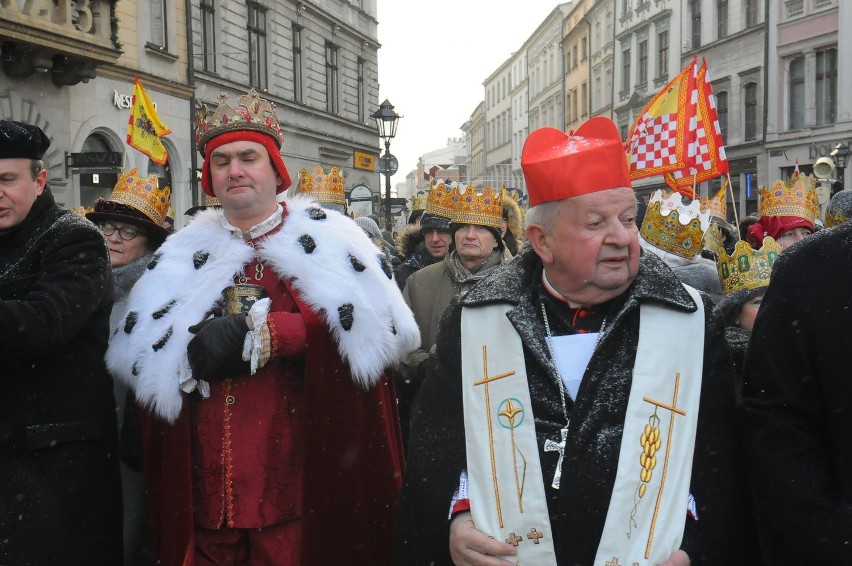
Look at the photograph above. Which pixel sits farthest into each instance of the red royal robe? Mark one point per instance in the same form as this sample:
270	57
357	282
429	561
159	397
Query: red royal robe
345	444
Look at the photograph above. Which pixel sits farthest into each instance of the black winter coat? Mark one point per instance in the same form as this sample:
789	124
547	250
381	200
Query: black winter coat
59	482
578	510
797	403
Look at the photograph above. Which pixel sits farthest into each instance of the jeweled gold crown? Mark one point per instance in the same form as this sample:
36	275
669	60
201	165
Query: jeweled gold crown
714	239
717	205
484	209
328	188
442	199
674	227
142	194
747	268
256	114
418	202
794	197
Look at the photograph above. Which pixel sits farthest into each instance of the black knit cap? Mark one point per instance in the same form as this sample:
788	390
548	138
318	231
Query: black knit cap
431	221
22	141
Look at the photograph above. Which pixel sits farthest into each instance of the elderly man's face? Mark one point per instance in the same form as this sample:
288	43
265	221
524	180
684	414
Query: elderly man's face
18	190
590	249
474	244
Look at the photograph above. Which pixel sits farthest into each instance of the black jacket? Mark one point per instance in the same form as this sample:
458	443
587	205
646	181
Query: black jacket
58	468
797	403
578	510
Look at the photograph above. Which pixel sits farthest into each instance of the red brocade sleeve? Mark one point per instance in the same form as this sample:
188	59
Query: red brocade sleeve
287	334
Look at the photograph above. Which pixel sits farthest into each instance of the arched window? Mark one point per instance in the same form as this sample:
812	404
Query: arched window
96	185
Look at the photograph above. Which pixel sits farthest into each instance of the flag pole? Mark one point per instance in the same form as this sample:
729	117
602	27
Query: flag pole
731	191
694	177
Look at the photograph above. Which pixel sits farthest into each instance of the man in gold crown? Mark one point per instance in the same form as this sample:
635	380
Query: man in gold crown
786	212
257	341
428	241
579	407
796	412
475	226
59	478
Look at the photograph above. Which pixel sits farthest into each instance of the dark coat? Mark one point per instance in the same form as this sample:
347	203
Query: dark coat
578	510
797	403
412	248
59	481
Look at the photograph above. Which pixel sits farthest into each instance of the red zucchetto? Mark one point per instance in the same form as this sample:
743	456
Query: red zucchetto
558	165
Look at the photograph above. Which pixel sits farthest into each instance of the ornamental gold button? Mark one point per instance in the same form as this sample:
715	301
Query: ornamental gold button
230	399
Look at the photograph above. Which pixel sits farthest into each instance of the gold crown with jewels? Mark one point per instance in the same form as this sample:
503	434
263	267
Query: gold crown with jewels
328	188
484	209
674	227
717	205
747	268
143	194
254	113
442	199
794	197
418	202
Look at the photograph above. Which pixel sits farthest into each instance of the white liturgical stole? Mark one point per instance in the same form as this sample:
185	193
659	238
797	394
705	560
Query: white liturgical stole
647	509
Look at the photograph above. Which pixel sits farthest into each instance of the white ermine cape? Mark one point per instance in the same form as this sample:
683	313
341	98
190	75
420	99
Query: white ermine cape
325	256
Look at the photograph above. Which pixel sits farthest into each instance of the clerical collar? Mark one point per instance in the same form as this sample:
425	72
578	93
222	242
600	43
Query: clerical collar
261	229
554	293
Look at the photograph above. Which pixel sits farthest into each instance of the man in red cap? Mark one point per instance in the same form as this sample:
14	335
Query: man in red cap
257	341
557	423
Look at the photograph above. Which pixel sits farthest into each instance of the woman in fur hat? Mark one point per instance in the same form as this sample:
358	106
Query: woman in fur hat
132	222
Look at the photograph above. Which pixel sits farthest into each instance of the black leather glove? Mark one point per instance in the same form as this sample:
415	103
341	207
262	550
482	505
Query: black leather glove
216	350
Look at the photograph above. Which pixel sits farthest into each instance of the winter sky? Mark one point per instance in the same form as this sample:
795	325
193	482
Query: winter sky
434	57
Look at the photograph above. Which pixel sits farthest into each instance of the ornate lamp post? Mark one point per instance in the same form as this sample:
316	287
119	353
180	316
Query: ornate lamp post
386	122
840	154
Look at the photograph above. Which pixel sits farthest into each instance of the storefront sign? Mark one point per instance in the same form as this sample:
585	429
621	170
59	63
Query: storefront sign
366	161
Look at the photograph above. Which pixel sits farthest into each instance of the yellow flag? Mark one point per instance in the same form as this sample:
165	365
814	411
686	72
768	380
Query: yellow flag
144	128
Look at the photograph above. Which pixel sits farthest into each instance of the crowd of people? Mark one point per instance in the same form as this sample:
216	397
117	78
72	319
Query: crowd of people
595	380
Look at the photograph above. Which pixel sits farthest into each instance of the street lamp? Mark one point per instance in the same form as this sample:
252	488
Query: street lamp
839	154
386	122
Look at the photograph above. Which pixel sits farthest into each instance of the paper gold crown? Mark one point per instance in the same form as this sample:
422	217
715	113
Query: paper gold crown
794	197
418	202
82	210
484	209
442	199
328	188
255	113
747	268
143	194
674	227
717	206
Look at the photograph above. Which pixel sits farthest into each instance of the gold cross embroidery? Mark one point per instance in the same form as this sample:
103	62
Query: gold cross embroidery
486	379
534	535
673	408
514	539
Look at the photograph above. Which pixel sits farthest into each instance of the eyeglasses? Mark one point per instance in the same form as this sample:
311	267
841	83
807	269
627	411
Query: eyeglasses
126	233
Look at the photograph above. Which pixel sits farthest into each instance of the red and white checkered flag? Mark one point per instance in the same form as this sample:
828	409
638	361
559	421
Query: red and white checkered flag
707	149
659	137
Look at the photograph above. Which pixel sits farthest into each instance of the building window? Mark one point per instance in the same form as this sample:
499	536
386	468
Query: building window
208	36
826	87
574	55
362	95
750	125
331	86
298	91
158	23
625	69
643	62
695	20
257	45
751	15
583	49
584	101
797	93
722	18
722	110
663	54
